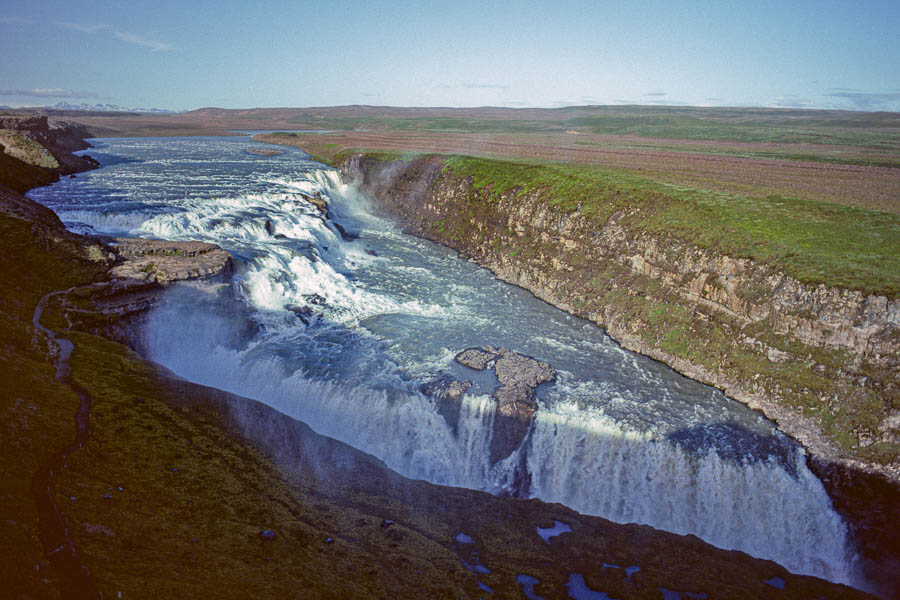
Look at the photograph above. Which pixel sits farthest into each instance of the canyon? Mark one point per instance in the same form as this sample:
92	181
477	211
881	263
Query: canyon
552	263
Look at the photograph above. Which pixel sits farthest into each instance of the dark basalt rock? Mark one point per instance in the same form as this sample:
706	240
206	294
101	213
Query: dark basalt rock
318	202
345	235
475	358
305	313
448	394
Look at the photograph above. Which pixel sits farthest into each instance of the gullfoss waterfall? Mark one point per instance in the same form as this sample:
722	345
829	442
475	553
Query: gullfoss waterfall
338	319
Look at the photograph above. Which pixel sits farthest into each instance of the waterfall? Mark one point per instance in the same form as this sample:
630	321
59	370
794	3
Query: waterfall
342	332
587	462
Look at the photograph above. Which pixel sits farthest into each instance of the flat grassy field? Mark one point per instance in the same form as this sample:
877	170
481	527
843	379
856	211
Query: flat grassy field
844	157
862	176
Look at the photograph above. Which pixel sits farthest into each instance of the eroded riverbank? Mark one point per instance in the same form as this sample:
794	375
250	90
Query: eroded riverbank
632	285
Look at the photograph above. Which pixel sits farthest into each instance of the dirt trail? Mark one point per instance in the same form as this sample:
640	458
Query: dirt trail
72	574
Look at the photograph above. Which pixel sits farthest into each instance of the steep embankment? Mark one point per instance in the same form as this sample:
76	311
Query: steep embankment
729	291
35	151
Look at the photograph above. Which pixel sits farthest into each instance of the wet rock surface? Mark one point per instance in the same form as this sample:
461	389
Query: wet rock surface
167	262
475	358
448	395
518	376
317	201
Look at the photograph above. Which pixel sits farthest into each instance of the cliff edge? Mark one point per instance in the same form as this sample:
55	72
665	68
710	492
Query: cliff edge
36	151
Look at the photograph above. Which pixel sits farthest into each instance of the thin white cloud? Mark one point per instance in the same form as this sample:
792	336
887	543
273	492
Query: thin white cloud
144	41
11	20
128	37
50	93
790	101
83	28
485	86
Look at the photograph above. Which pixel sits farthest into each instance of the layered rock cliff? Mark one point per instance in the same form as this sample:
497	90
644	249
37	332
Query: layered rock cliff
821	361
35	151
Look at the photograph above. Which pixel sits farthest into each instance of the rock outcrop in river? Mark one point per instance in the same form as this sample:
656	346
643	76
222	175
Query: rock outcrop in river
518	376
139	274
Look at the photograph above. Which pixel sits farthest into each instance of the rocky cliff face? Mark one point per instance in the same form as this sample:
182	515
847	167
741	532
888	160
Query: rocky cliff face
822	362
35	151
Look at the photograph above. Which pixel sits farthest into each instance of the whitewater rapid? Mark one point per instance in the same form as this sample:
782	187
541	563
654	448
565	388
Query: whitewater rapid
341	321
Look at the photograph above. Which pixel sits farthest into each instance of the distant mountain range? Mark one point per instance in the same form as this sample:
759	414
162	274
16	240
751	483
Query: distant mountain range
109	108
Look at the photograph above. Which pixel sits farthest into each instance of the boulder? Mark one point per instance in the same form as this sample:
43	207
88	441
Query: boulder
515	369
476	358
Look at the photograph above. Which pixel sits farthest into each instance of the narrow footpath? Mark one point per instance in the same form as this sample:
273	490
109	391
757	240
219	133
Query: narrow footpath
72	574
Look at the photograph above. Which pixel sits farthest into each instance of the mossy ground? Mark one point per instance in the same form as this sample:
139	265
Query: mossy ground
37	411
27	150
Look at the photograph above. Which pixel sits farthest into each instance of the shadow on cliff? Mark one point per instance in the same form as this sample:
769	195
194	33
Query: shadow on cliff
871	505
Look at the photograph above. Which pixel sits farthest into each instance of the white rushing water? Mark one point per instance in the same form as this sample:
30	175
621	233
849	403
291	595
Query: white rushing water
342	329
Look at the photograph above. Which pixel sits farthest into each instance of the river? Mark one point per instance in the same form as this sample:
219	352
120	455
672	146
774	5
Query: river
343	328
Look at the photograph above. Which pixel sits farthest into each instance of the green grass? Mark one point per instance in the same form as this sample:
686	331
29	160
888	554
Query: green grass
27	150
815	242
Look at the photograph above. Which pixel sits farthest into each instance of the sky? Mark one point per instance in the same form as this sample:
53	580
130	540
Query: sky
280	53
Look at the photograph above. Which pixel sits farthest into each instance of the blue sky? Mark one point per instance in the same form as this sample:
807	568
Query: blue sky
191	54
